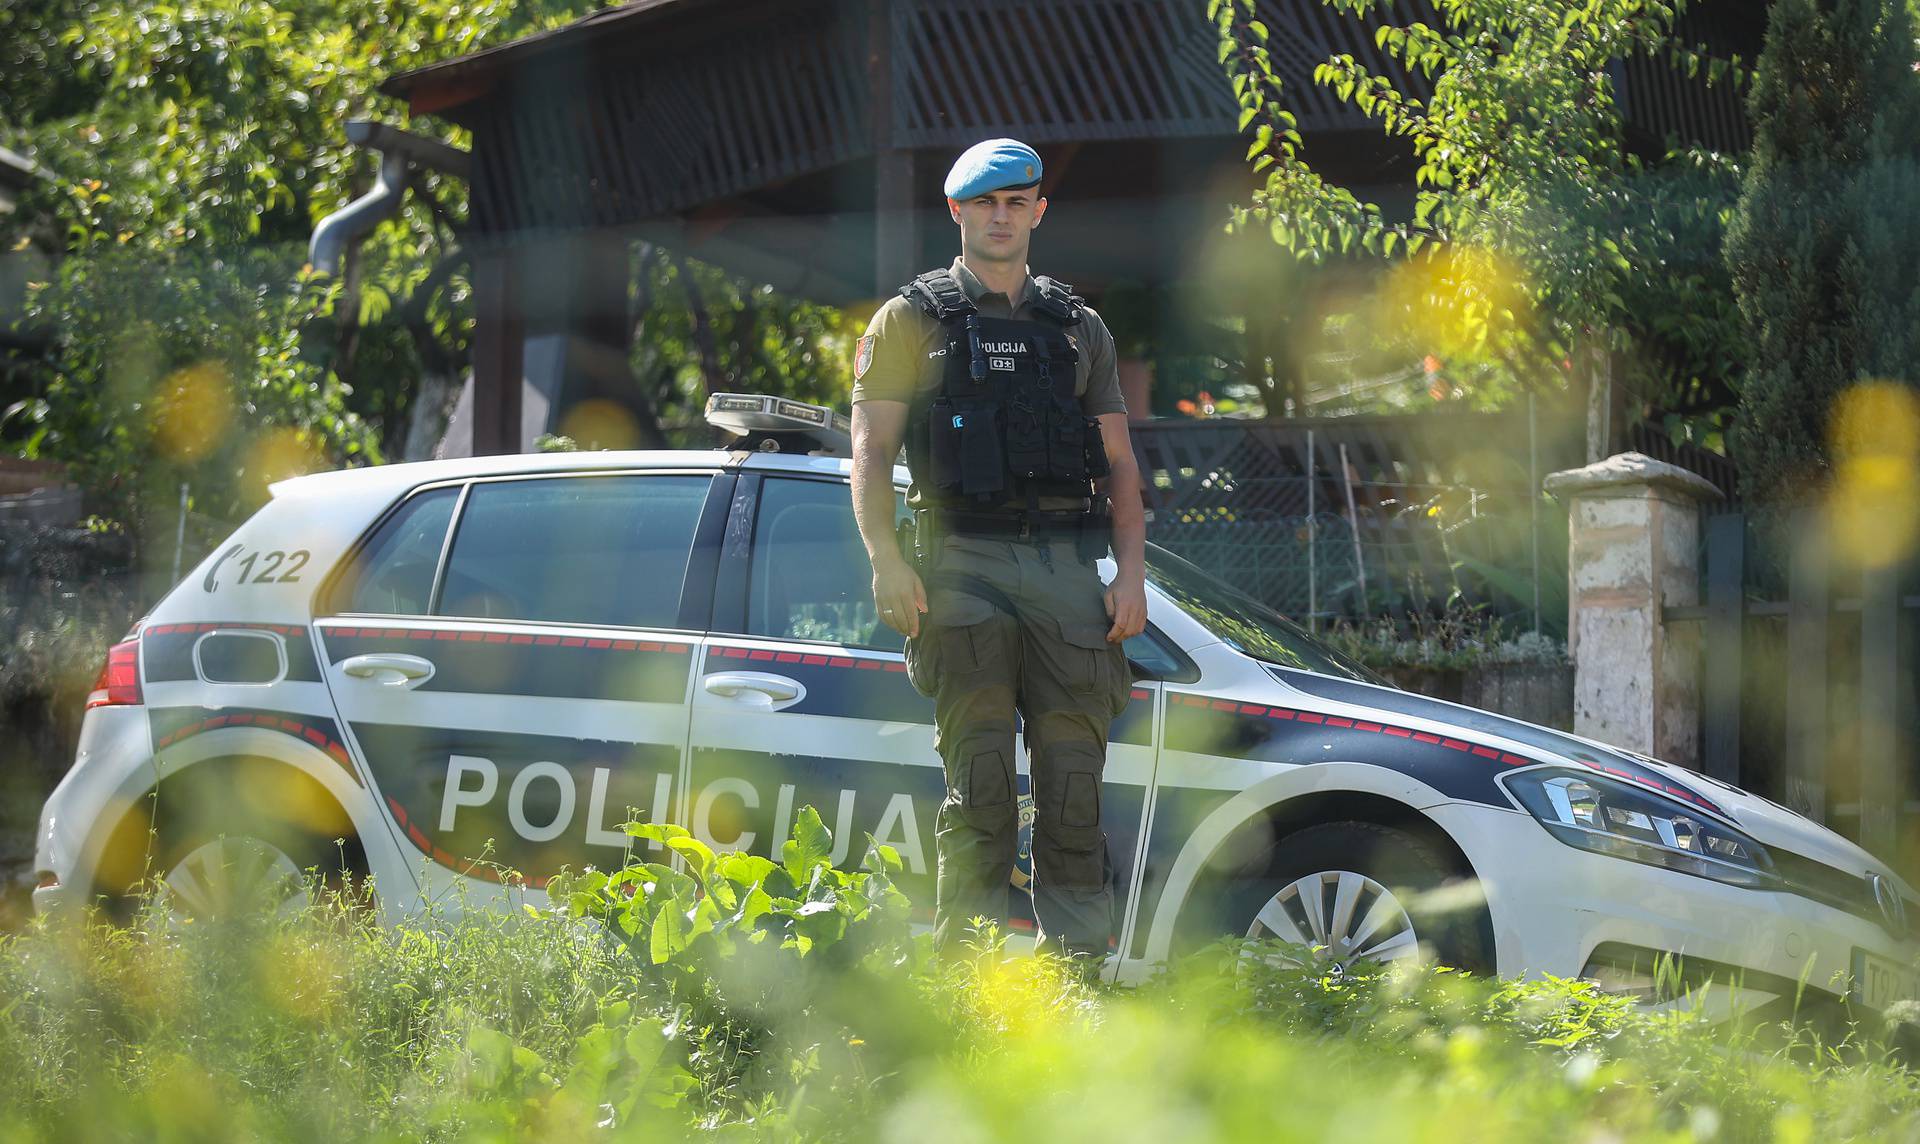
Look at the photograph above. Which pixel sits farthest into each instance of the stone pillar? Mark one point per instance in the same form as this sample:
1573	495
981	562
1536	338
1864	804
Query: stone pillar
1634	531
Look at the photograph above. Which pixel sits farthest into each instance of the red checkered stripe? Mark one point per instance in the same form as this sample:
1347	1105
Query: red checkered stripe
1277	713
470	867
266	721
808	659
425	635
1503	758
221	626
811	660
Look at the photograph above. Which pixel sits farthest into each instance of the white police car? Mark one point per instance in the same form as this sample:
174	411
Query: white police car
464	666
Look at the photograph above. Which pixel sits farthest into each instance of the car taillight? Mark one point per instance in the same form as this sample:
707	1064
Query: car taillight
119	680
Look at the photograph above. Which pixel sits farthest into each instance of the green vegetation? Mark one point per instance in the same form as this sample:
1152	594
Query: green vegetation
1540	248
191	149
790	1001
1454	639
1822	247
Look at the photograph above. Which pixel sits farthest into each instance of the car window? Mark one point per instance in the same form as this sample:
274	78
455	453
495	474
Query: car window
811	577
1244	623
610	551
393	572
1154	658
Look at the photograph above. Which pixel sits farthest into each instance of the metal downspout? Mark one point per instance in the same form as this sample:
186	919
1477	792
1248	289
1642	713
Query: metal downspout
345	226
399	152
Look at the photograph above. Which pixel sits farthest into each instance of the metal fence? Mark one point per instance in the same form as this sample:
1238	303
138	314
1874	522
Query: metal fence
1808	694
1361	516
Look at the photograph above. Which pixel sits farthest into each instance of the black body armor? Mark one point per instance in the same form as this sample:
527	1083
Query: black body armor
1005	427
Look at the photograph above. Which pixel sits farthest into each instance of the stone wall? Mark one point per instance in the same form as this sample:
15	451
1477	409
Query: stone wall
1533	692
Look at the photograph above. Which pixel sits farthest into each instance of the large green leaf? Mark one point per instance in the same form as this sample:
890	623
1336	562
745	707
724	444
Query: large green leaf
811	846
670	934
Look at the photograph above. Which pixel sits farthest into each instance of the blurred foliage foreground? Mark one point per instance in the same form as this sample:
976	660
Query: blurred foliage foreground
791	1000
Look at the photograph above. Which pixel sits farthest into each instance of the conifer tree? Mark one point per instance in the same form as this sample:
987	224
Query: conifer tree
1824	249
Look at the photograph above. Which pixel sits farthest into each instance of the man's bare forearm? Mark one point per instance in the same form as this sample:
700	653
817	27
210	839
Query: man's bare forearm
1129	523
1123	489
873	502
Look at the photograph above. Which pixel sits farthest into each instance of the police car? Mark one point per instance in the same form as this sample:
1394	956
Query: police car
464	675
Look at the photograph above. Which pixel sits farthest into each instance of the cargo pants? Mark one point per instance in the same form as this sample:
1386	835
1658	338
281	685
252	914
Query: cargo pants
1051	663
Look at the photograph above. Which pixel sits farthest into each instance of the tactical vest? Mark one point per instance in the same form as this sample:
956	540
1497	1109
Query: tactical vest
1005	427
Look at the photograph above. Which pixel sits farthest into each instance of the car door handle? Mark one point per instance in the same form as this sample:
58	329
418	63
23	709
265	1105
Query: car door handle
387	667
746	685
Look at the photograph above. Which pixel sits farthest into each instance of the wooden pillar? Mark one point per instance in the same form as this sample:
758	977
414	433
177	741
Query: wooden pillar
1725	662
1807	652
896	231
499	343
1600	429
1882	789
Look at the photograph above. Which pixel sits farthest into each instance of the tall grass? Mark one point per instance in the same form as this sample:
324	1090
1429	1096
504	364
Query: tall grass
324	1025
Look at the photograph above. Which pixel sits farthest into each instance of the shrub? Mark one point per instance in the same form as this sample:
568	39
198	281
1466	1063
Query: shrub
581	1021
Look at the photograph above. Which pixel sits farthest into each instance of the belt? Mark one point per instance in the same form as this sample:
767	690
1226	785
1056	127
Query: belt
1012	525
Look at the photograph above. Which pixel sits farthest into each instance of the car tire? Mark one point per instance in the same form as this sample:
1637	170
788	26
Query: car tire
1363	875
208	855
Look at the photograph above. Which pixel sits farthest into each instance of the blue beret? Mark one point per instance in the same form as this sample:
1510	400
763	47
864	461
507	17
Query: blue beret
993	165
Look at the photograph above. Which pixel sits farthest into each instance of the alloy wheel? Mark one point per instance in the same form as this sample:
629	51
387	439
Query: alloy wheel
1344	916
233	877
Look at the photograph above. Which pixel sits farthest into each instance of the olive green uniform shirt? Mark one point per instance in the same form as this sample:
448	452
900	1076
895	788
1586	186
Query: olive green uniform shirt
904	352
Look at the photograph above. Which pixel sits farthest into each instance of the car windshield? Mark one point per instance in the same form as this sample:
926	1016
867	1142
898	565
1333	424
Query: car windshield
1244	623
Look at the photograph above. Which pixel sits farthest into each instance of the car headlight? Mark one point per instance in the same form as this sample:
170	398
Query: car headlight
1609	817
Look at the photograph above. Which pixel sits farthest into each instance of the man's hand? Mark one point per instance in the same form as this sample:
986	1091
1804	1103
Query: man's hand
1127	606
900	596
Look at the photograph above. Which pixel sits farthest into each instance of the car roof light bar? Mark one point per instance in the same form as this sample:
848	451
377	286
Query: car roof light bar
778	425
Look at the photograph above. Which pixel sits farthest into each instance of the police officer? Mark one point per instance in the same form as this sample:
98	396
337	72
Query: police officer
1004	391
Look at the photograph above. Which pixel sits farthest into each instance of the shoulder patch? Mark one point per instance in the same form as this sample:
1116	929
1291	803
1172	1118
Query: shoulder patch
862	357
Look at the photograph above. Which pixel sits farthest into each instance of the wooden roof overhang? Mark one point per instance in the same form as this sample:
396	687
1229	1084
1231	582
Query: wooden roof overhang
760	130
754	129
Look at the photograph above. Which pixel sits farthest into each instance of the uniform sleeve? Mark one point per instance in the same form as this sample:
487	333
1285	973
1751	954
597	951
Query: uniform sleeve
1103	373
887	358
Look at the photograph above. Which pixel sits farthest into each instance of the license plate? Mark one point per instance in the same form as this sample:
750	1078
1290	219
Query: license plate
1879	982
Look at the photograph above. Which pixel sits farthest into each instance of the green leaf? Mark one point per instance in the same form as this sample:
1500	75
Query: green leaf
820	926
744	869
810	846
754	905
697	853
669	935
646	1043
706	915
660	832
881	858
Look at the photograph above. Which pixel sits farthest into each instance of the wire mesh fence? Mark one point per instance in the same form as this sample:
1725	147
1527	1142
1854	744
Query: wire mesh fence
1369	516
1407	550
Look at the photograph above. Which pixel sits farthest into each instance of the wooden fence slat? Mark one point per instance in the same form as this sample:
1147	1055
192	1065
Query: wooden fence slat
1720	690
1880	787
1807	652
